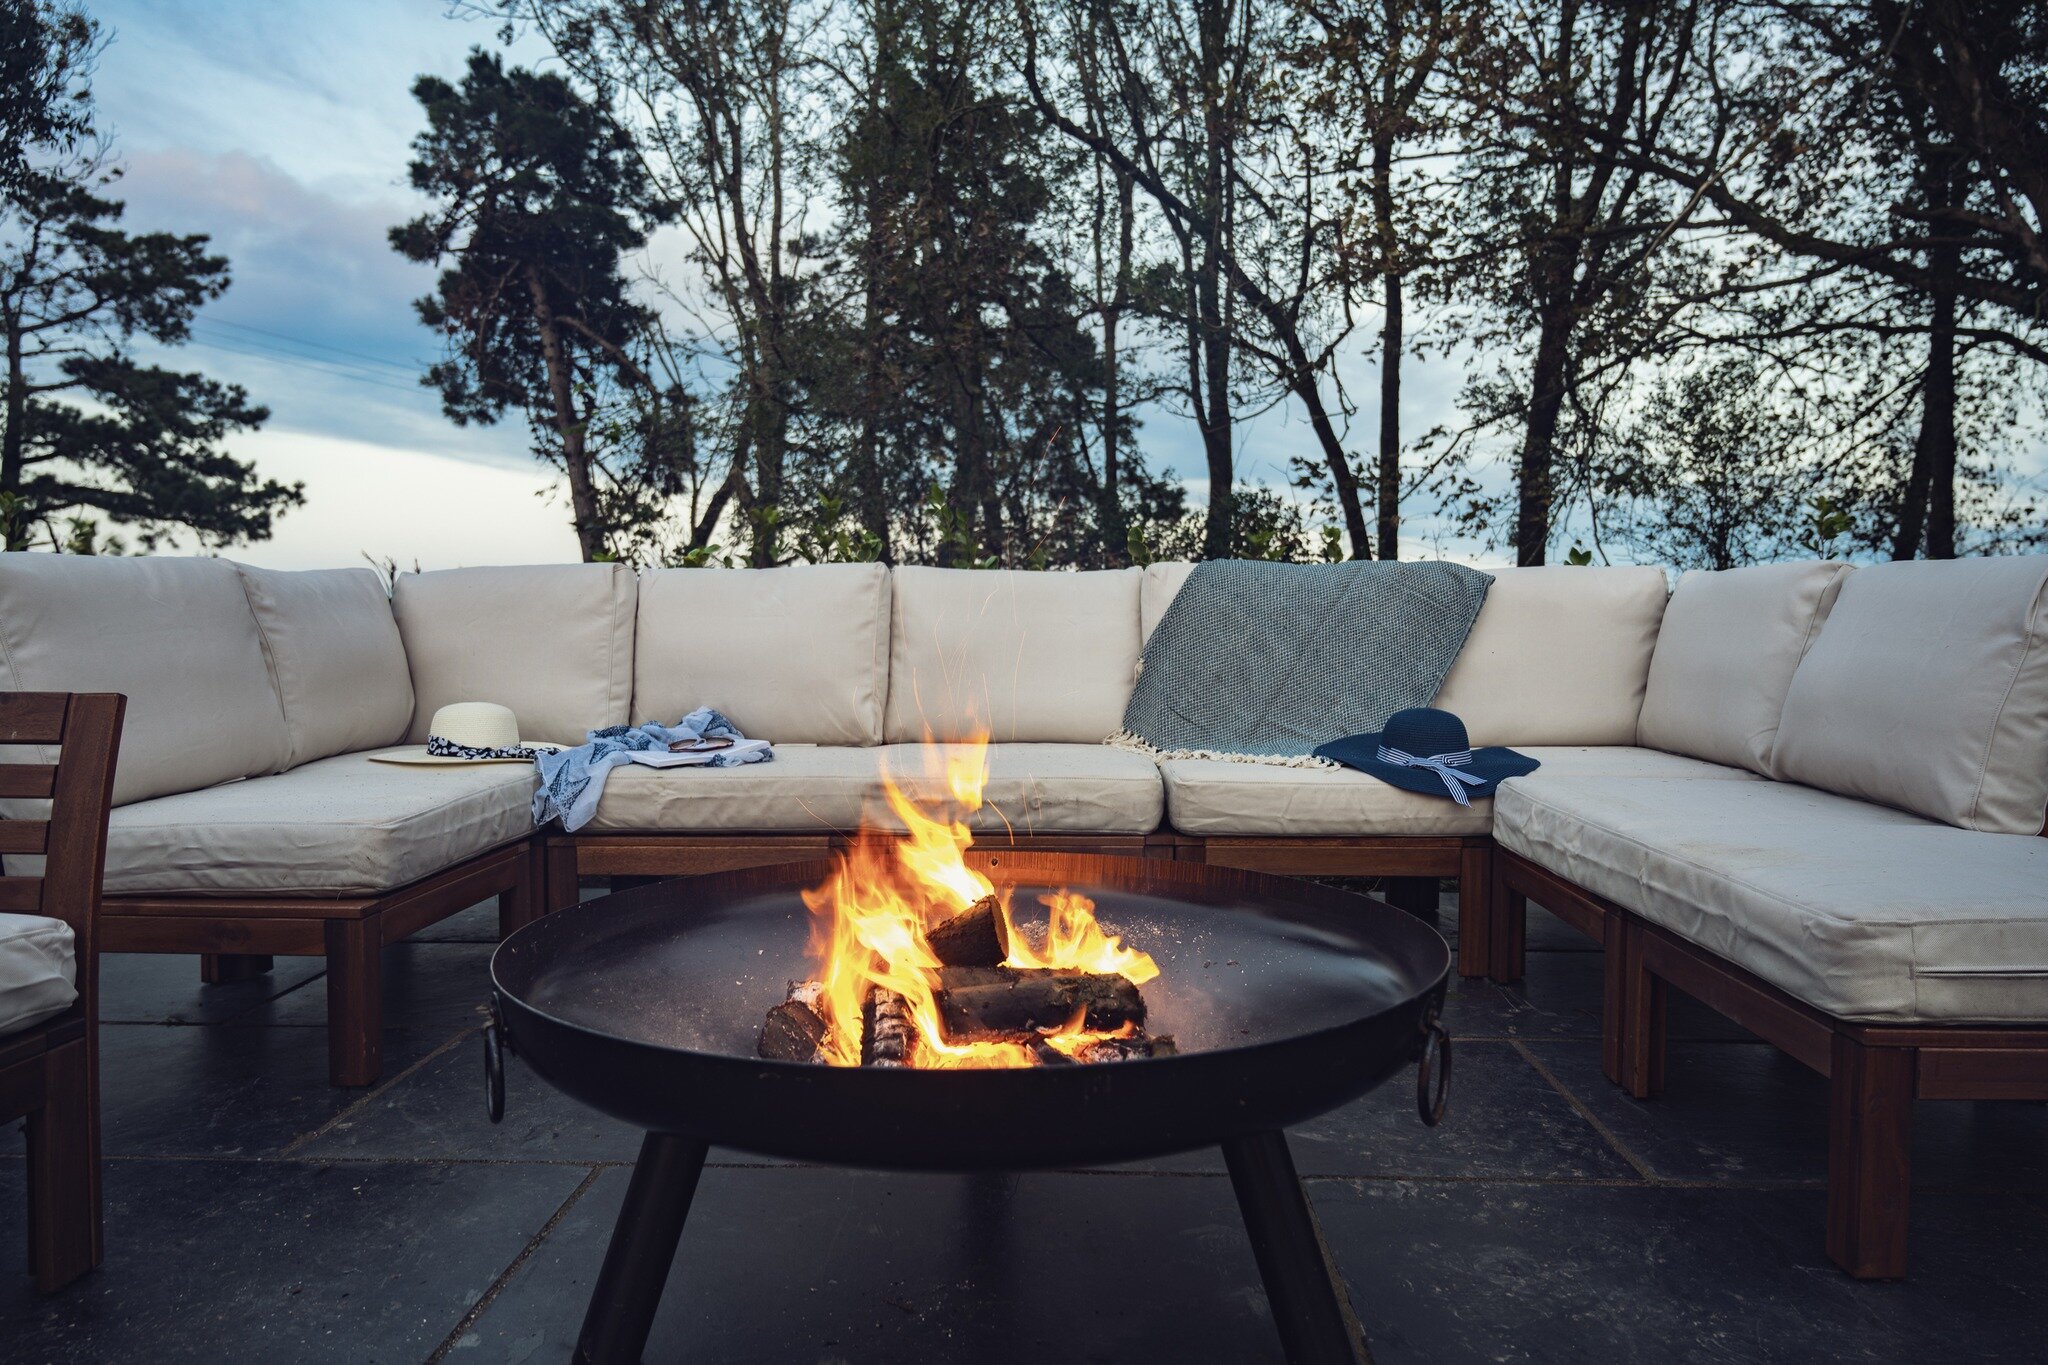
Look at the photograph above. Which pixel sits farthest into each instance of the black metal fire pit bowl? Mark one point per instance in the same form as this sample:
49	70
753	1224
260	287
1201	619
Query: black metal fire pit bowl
1286	999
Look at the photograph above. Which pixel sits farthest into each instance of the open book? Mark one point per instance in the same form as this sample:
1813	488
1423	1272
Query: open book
697	758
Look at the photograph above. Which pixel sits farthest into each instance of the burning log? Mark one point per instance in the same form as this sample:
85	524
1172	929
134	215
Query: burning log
1012	1004
890	1038
1099	1050
978	936
794	1030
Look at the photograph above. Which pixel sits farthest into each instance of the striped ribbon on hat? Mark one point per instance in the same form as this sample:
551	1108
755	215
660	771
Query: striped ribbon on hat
1444	765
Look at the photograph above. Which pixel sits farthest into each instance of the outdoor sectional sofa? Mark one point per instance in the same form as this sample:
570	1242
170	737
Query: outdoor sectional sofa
1807	794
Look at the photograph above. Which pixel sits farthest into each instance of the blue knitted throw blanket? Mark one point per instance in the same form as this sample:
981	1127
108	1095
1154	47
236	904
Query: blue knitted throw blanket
1259	662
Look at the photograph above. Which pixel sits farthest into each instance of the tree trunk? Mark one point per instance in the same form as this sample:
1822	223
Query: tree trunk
1546	404
1213	20
1927	516
14	440
1389	478
568	426
1115	532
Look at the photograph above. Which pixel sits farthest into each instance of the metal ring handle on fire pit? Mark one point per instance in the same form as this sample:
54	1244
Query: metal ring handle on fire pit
1433	1072
494	1067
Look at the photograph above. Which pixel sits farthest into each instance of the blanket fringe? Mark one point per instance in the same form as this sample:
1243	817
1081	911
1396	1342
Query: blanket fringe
1130	743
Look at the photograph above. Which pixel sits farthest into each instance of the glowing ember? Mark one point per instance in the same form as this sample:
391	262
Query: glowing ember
872	914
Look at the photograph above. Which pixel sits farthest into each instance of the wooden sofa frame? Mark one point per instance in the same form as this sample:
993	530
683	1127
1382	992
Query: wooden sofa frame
50	1072
1875	1072
237	937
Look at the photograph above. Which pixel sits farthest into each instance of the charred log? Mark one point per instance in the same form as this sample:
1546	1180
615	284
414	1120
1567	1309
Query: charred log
1099	1050
978	936
890	1038
794	1030
1010	1004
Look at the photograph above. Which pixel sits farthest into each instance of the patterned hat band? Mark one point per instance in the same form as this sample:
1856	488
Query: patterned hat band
1444	765
438	747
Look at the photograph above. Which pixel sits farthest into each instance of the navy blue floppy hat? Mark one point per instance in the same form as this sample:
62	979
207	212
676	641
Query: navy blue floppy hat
1426	750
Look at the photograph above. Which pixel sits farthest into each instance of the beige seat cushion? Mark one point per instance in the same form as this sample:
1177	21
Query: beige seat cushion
1859	910
337	826
807	789
1725	656
1031	788
1043	788
1927	689
337	657
175	635
797	654
1559	655
38	970
1211	796
552	641
1034	657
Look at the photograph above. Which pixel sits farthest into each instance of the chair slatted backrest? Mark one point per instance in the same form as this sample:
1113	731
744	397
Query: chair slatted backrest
79	786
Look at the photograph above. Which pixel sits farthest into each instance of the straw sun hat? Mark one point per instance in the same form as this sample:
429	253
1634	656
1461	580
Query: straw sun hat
468	732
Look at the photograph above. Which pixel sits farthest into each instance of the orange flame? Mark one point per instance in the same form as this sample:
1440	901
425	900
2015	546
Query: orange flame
887	889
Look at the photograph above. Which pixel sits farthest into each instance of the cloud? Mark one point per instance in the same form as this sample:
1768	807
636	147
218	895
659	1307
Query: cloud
408	504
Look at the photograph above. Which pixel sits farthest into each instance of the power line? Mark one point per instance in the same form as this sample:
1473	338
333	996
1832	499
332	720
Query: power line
315	345
332	369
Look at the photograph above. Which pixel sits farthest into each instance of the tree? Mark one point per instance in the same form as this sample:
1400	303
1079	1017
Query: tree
1370	66
93	437
537	194
1195	118
1566	241
1894	152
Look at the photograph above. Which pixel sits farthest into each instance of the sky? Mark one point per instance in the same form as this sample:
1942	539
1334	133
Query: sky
282	129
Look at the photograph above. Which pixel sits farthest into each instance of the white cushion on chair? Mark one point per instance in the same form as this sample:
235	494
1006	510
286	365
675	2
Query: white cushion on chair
1725	656
1859	910
1927	689
1212	796
1040	788
792	655
552	641
1031	789
1162	583
37	970
175	635
338	826
337	656
1034	657
1559	655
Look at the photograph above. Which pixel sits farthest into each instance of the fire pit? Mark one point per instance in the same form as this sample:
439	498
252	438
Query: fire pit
1284	999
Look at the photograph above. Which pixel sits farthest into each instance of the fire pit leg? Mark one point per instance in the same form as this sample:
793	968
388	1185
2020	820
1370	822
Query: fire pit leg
1309	1306
642	1249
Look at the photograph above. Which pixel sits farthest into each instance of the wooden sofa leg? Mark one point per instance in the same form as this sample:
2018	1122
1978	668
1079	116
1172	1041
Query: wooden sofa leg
63	1174
1633	1026
562	889
220	969
1870	1139
525	901
1506	915
355	1002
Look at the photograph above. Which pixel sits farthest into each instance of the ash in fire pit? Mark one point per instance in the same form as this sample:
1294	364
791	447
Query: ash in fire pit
921	964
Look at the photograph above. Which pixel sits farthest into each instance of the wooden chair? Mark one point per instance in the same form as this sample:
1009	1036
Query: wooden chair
49	1072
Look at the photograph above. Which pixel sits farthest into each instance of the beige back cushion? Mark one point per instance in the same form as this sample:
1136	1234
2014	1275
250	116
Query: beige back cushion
175	635
1559	655
1035	657
1162	583
1927	689
798	655
335	652
1725	656
552	641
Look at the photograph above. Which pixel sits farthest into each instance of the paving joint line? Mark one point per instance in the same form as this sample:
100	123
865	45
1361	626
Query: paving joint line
490	1296
375	1092
1622	1149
